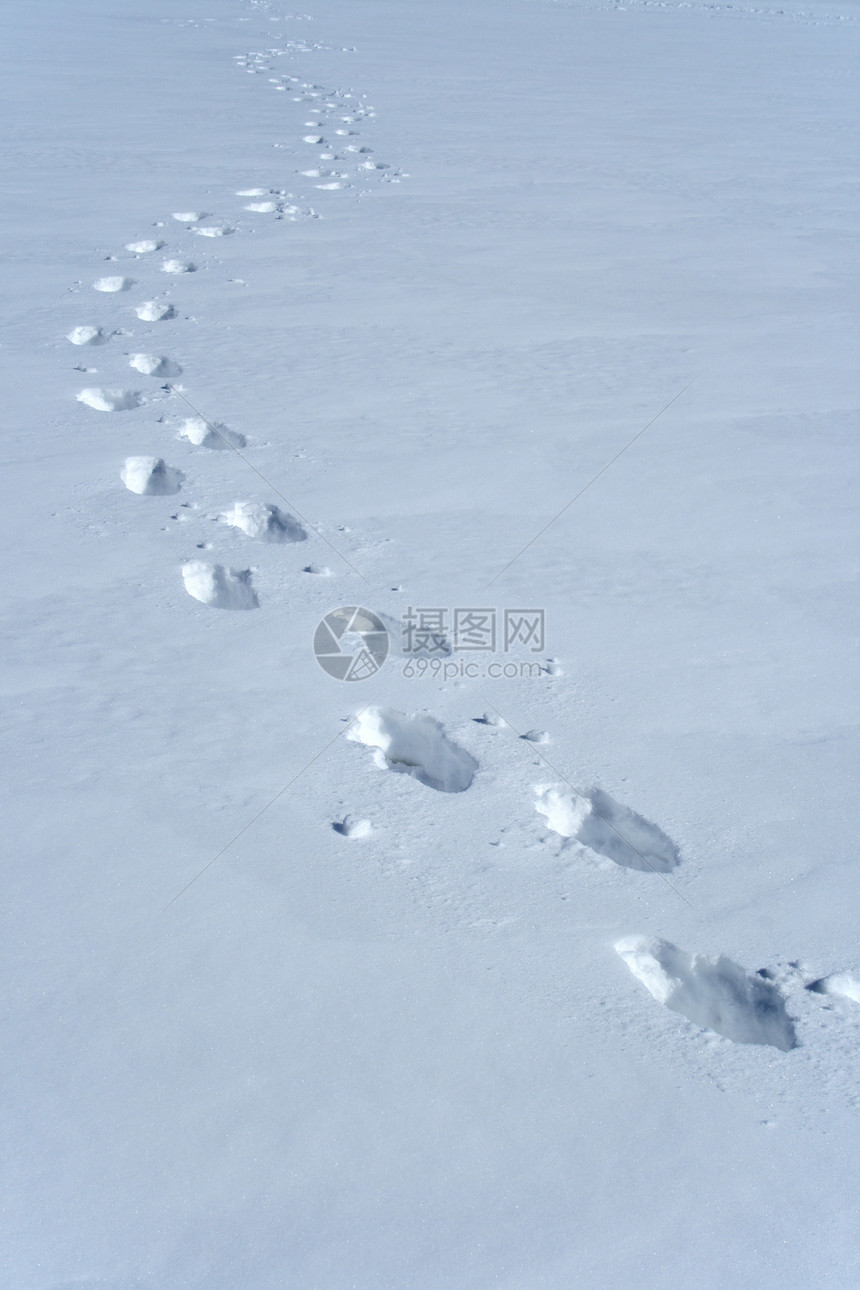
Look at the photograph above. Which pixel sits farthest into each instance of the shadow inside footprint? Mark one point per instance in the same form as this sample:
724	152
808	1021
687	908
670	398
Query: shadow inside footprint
716	994
614	831
416	746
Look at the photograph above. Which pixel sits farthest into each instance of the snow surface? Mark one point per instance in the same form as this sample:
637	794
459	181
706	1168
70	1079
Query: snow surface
275	1016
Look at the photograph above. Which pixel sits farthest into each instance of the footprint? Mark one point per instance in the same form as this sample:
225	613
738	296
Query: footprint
219	587
213	230
189	217
846	985
319	570
155	311
265	522
716	994
113	284
252	192
110	400
146	247
352	827
417	746
262	208
597	821
206	434
537	736
150	365
150	477
178	266
87	336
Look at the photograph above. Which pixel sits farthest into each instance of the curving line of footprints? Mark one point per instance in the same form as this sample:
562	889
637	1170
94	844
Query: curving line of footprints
715	994
341	114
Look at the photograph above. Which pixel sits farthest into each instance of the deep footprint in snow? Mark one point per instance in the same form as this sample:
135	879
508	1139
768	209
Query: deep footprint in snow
603	825
352	826
716	994
150	477
87	335
417	746
113	284
210	434
844	985
144	247
153	365
219	587
110	400
265	522
155	311
178	266
213	230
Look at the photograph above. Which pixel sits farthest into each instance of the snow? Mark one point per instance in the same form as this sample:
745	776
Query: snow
575	332
150	475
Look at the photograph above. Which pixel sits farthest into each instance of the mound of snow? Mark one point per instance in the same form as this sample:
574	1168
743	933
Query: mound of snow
265	522
154	311
150	476
212	230
565	811
219	587
210	434
87	336
109	400
113	284
151	365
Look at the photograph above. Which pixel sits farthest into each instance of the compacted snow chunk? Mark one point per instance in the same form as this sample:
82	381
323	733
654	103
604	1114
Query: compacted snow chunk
265	522
109	400
210	434
222	588
150	476
714	993
415	745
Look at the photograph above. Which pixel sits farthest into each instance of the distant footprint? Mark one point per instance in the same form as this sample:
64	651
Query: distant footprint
716	994
417	746
110	400
150	477
113	284
262	208
845	985
212	230
151	365
155	311
597	821
178	266
145	247
219	587
352	827
206	434
265	522
87	336
189	217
